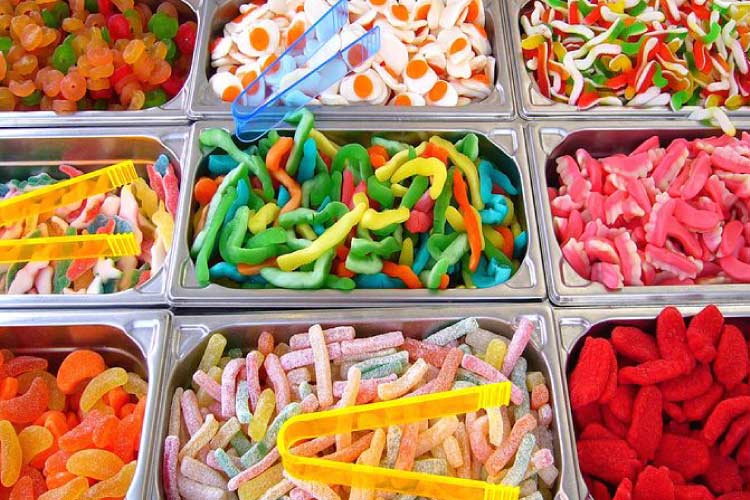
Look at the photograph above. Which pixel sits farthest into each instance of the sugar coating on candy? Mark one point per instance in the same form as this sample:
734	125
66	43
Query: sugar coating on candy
456	445
438	53
666	433
269	222
122	210
656	216
68	452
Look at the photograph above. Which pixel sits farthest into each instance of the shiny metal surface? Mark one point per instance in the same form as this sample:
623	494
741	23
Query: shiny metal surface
530	103
204	104
551	139
172	112
573	325
28	151
190	335
134	340
501	143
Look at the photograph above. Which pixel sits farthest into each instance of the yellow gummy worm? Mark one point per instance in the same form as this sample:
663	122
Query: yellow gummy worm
454	218
375	220
428	167
307	232
324	144
466	166
406	258
328	240
265	216
386	171
398	190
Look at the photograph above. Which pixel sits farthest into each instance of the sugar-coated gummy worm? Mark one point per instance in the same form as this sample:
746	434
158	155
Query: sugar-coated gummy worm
248	462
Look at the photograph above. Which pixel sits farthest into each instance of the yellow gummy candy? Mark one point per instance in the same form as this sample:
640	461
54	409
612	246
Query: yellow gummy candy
146	196
263	411
253	489
265	216
532	42
101	385
33	440
96	464
213	352
114	487
69	491
496	350
10	454
164	224
406	258
136	385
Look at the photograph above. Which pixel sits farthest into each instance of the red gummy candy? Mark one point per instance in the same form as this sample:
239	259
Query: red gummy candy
651	372
722	415
692	492
634	343
621	405
674	411
597	431
654	484
81	436
27	407
646	426
703	333
743	453
688	456
735	495
599	491
624	490
22	364
607	459
590	376
671	338
171	190
722	475
614	424
737	431
611	388
739	390
586	415
687	386
699	407
731	362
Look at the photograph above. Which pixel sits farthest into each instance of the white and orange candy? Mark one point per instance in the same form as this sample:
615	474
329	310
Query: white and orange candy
433	52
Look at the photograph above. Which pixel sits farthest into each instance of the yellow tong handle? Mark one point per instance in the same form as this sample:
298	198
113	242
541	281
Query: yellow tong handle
86	246
69	191
383	414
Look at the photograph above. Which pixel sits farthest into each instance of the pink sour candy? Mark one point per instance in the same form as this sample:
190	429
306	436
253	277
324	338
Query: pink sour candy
657	216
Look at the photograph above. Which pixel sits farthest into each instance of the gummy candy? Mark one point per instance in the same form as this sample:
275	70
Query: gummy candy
85	43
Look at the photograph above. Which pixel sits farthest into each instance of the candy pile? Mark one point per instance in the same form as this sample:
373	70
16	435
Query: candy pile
70	436
433	52
306	213
640	53
657	216
665	416
91	54
148	212
222	432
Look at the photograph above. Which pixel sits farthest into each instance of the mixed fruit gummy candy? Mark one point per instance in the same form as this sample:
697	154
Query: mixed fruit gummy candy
303	212
70	435
433	52
639	53
145	209
665	415
657	216
68	55
221	441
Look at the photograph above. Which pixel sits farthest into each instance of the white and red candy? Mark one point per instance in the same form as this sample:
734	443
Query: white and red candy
658	216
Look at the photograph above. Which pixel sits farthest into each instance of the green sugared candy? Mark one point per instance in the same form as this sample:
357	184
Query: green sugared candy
92	6
154	98
32	99
5	44
171	50
64	57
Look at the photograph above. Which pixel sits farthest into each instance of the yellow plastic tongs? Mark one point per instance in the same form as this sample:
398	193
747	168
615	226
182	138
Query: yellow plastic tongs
67	192
381	415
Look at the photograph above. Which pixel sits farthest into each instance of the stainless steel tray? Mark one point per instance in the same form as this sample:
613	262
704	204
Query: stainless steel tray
495	142
499	105
530	103
134	340
173	111
26	151
575	324
190	335
552	139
